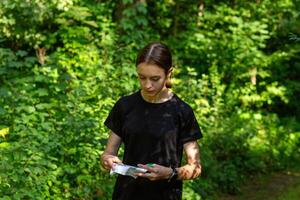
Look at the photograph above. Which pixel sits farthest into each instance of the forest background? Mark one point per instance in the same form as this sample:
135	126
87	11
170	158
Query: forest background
64	63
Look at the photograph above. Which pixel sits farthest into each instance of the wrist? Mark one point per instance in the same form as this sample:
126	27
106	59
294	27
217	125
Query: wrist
174	175
169	174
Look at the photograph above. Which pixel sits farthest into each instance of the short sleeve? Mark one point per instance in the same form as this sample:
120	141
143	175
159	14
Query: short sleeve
114	119
190	129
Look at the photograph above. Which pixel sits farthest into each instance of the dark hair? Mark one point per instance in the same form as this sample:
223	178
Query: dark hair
158	54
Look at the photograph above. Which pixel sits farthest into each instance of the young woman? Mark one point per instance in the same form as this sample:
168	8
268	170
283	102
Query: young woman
156	127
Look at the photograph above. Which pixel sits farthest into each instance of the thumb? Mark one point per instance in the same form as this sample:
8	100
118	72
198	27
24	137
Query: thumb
117	160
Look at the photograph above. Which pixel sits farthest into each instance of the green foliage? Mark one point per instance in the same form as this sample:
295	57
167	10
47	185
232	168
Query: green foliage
64	63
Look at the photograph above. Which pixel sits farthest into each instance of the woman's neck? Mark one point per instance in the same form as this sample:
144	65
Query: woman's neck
164	95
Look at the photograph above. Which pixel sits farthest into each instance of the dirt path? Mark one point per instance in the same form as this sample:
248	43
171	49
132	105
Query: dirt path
278	186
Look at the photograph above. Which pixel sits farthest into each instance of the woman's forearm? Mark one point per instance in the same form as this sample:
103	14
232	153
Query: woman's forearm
109	156
193	167
189	171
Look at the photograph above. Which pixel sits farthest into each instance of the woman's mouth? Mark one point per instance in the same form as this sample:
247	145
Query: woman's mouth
150	91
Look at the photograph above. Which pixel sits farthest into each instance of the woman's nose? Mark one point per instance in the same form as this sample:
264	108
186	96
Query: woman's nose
148	84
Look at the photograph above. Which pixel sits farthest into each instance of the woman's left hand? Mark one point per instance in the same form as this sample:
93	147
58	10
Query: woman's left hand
155	172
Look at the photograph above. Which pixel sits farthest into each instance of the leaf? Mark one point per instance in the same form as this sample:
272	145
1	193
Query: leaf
42	92
21	53
91	23
52	166
4	132
4	145
29	109
43	106
46	126
5	198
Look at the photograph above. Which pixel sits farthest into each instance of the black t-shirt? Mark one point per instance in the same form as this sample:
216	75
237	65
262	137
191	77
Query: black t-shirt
151	133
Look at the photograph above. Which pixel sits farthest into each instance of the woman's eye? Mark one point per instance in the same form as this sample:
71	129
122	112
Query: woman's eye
142	78
154	79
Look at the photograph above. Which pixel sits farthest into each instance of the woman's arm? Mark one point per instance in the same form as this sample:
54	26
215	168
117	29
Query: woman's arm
110	153
193	167
189	171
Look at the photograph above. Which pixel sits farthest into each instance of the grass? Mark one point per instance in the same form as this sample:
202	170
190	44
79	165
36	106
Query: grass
292	193
275	186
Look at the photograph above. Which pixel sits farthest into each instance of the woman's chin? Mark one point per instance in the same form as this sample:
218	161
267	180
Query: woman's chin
150	94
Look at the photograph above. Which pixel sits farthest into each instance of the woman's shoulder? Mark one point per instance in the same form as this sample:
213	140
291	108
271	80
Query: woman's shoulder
183	108
128	99
183	105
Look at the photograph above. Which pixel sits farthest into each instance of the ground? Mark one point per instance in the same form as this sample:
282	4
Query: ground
276	186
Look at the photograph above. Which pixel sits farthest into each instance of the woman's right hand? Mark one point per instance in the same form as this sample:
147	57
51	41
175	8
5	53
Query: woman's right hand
107	161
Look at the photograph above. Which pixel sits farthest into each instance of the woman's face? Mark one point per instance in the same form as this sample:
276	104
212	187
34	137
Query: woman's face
152	78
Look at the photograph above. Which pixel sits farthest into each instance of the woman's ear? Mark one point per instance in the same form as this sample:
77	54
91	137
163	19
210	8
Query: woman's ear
169	74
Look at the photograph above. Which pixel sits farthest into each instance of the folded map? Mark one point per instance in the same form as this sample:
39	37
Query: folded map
126	170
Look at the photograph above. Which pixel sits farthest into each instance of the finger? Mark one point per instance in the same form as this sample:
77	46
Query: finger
103	167
117	160
150	169
105	164
146	175
113	164
106	167
150	164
